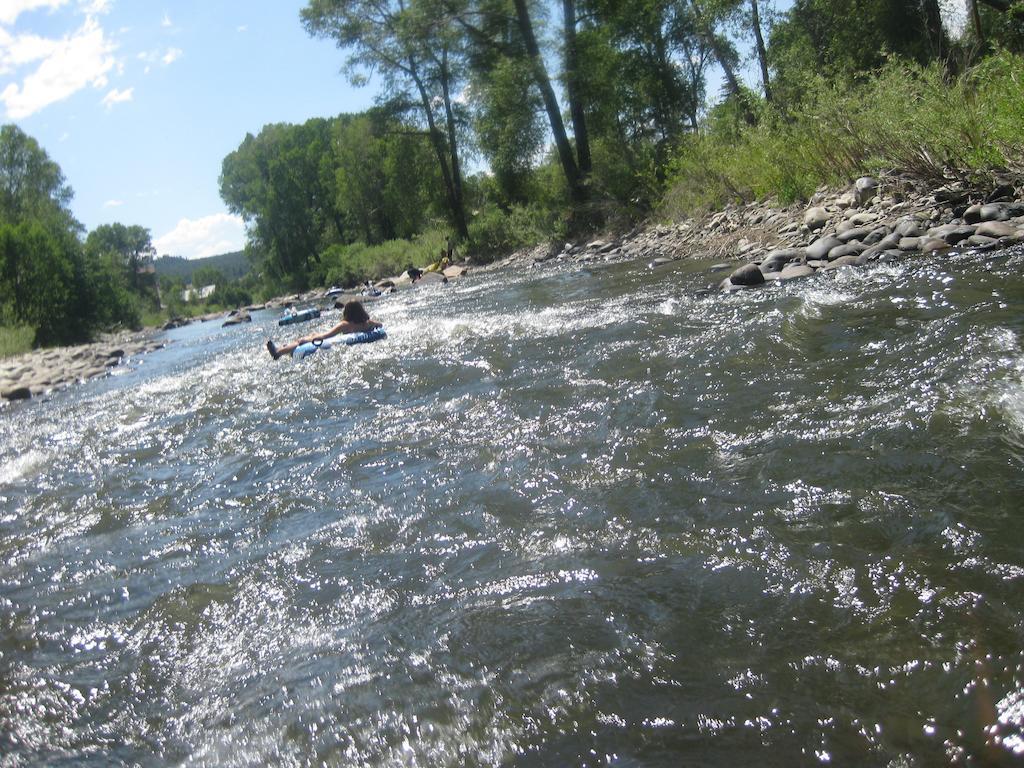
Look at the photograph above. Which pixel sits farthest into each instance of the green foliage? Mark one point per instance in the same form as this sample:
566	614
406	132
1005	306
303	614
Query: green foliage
349	265
16	340
207	276
906	117
494	232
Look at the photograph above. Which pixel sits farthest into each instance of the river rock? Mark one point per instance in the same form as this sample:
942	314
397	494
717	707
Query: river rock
819	248
856	233
17	393
793	271
455	271
842	261
909	228
748	274
237	318
782	256
996	229
951	233
876	236
719	267
932	244
982	241
865	188
815	218
431	278
841	251
909	243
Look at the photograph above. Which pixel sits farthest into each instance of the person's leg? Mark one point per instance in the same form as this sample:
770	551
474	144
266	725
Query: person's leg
276	351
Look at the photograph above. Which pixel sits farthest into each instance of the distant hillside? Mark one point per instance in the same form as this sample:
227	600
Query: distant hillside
232	265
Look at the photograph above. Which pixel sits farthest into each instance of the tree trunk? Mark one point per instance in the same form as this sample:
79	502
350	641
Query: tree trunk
437	142
979	32
762	52
458	204
579	123
565	153
724	57
934	31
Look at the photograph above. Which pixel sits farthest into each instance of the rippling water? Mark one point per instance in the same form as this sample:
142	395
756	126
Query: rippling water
570	517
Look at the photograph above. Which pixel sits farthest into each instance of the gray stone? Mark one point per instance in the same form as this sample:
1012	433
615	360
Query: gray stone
815	218
842	261
719	267
793	271
748	274
909	243
951	233
932	244
784	255
876	236
820	248
973	214
995	212
842	251
864	189
857	233
909	228
996	229
17	393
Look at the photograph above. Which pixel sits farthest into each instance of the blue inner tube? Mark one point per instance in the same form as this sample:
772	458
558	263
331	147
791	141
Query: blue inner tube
300	317
363	337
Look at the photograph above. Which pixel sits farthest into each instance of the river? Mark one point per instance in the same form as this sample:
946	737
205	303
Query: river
569	516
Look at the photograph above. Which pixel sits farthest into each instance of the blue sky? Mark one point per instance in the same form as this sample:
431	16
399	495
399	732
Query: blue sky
139	102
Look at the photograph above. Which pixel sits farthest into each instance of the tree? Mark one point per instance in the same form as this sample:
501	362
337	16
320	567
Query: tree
282	183
32	186
130	247
417	55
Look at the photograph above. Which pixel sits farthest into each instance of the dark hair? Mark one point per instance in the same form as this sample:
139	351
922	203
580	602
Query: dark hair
354	312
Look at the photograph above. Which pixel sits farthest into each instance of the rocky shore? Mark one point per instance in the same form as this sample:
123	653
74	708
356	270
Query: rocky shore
874	220
759	243
44	370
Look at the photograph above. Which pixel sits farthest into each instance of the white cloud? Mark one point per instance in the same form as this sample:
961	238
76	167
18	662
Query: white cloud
242	28
208	236
94	7
116	96
21	50
113	203
10	10
166	20
172	55
66	66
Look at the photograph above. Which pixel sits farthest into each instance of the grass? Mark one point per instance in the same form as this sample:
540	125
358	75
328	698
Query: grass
16	340
904	118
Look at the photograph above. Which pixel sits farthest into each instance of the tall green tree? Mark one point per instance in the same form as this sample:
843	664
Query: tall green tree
417	55
128	247
282	183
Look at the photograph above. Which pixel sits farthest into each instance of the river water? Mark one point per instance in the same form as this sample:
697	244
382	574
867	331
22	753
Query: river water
561	517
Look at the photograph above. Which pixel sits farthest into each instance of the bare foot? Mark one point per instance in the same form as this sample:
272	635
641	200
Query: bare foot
272	349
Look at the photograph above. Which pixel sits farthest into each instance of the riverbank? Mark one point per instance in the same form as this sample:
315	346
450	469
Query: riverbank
44	370
758	243
873	220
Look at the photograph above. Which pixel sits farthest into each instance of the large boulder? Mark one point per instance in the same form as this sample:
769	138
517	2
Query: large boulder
997	229
17	393
793	271
951	233
748	274
819	248
856	233
815	218
237	318
864	189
